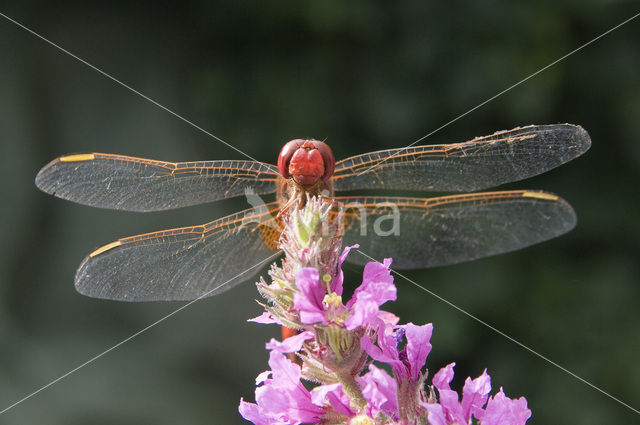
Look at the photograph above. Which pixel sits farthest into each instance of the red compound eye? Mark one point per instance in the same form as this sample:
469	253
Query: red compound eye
306	161
286	153
327	156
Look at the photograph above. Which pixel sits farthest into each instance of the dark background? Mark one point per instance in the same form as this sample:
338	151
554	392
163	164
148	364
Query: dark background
366	76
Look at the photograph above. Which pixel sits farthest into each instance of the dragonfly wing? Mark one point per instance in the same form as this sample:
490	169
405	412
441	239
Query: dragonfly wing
137	184
184	263
451	229
484	162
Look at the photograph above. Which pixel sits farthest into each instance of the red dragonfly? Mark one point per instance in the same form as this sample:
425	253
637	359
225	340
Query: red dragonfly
190	262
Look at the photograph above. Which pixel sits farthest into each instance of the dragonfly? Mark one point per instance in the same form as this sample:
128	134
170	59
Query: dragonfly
187	263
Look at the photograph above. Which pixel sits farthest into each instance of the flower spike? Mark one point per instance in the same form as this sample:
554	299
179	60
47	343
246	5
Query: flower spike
340	341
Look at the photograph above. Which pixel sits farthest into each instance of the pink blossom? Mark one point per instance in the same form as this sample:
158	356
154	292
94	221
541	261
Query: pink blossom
265	318
291	344
312	291
436	414
475	394
380	390
336	285
501	410
364	307
333	394
340	341
309	299
282	399
387	349
376	289
408	362
418	347
451	408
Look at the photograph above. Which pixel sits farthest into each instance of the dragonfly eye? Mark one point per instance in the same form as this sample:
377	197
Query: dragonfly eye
286	153
327	157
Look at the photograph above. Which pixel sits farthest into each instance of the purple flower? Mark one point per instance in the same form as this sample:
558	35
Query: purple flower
452	411
418	347
282	399
265	318
310	296
336	285
408	362
380	391
376	289
475	393
501	410
334	396
315	305
403	398
387	349
436	414
291	344
341	339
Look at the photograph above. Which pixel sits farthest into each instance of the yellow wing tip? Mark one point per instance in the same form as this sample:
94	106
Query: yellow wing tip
540	195
105	248
77	157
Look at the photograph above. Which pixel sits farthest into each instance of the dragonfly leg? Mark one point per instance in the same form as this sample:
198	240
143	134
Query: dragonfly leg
287	207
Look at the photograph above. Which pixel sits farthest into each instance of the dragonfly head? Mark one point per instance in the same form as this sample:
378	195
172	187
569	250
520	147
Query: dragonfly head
306	161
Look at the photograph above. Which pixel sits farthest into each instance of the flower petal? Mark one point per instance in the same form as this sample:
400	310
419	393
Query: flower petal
263	376
253	413
475	394
283	397
380	391
291	344
309	298
386	351
377	288
503	410
447	397
436	414
451	406
376	281
443	377
339	401
364	312
388	318
336	285
265	318
286	374
418	346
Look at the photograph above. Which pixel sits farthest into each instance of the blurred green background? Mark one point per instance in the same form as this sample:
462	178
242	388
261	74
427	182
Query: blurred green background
366	76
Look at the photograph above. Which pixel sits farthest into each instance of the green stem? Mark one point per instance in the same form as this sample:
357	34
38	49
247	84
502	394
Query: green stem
352	389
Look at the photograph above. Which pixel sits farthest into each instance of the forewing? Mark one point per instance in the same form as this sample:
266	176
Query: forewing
484	162
451	229
184	263
137	184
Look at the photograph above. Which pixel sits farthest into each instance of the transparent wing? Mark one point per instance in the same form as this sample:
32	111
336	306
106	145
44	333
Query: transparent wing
137	184
481	163
451	229
184	263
